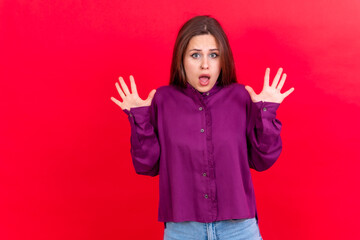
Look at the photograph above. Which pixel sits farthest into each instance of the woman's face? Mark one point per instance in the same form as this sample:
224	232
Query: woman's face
202	62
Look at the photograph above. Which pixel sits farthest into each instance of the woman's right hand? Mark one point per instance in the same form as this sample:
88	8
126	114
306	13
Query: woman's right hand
131	100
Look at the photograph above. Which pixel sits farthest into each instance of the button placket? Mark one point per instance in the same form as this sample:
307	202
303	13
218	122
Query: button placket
210	193
200	109
208	173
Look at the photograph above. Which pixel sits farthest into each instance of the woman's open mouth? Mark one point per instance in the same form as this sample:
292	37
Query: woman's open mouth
204	79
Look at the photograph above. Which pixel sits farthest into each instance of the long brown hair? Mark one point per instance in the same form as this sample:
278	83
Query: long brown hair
201	25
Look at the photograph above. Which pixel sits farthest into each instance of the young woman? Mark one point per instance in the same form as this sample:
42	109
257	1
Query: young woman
202	133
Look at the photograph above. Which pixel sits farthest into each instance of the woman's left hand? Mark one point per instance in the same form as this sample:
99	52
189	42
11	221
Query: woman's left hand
270	93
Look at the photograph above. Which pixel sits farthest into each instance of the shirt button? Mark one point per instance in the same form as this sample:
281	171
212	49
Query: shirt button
206	196
204	174
200	108
264	109
130	114
202	130
207	94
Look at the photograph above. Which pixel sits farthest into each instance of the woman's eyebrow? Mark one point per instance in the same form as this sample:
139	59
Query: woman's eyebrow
213	49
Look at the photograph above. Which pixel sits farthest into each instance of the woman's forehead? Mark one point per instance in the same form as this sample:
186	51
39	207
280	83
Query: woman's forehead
203	42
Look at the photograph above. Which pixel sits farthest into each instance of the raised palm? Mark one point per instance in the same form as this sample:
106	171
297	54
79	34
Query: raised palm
270	93
131	100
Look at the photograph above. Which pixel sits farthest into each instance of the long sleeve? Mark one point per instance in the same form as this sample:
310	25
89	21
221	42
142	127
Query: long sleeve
263	134
145	147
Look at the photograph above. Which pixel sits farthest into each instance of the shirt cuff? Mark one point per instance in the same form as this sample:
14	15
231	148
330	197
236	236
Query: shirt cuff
268	109
139	114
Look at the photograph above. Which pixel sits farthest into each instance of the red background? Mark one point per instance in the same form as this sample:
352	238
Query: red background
65	166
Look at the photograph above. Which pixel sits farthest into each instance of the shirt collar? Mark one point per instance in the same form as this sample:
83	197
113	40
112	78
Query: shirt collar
190	90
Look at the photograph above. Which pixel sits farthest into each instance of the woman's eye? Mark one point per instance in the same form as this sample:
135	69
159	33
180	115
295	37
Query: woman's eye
214	55
195	55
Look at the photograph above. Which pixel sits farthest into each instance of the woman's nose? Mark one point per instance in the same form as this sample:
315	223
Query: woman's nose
204	63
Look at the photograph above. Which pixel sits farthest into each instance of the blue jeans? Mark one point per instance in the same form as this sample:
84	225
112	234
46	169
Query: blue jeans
237	229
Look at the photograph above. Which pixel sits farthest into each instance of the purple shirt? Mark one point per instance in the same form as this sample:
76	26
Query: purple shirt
203	145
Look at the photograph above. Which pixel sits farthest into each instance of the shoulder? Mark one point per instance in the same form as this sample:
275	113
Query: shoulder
238	89
165	92
165	89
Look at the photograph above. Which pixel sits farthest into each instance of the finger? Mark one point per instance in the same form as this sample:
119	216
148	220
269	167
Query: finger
281	84
117	102
267	77
252	93
250	90
287	93
133	85
122	95
151	96
124	86
276	79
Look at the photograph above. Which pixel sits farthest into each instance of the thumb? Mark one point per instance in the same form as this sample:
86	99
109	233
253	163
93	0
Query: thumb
250	90
251	93
151	95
